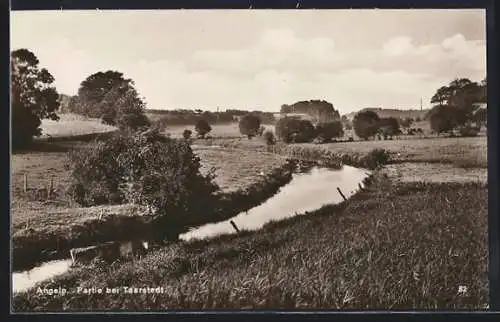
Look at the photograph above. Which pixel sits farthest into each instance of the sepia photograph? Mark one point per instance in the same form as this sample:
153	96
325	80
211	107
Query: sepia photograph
248	159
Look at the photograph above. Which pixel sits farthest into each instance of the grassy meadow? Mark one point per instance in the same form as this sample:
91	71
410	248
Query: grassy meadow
399	243
394	245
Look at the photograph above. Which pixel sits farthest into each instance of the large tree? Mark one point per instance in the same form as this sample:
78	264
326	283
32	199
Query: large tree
463	96
366	124
33	97
111	97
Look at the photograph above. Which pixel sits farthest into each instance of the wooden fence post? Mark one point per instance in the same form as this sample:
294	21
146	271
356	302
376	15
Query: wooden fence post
25	182
51	187
234	226
341	194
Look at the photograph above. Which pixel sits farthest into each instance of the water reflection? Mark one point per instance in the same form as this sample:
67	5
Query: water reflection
306	192
21	281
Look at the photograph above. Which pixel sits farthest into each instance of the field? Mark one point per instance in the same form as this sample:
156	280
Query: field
235	170
400	243
462	152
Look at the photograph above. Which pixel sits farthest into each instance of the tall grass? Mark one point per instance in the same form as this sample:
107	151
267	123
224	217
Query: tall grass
391	246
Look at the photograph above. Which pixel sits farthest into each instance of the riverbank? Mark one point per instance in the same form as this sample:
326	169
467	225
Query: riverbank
393	245
52	236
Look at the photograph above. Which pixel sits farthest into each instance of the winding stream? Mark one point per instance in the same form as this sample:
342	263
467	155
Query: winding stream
306	192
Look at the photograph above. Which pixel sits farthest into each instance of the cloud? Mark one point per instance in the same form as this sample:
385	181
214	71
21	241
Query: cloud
280	67
398	46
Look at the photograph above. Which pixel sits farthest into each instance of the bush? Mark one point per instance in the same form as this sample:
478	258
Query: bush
330	130
468	131
292	130
96	173
202	128
375	158
148	169
269	137
187	134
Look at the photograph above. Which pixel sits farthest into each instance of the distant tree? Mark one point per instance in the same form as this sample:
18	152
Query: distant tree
285	109
418	119
202	128
321	111
330	130
292	130
388	127
463	95
442	118
187	134
33	97
366	124
249	125
406	122
269	137
442	95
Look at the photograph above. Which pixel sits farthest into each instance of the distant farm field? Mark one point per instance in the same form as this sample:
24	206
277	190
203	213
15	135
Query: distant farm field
73	124
463	152
218	130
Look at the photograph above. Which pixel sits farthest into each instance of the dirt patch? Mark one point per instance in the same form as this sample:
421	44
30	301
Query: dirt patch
435	172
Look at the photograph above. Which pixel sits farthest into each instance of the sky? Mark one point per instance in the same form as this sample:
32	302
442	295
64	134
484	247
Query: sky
261	59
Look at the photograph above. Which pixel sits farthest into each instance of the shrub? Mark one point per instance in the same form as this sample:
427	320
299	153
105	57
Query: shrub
96	173
269	137
148	169
375	158
292	130
187	134
202	128
469	131
328	131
